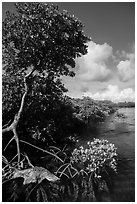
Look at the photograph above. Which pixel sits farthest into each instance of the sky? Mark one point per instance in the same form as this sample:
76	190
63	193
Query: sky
107	71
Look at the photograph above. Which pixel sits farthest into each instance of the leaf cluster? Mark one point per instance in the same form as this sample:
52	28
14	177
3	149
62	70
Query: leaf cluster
39	35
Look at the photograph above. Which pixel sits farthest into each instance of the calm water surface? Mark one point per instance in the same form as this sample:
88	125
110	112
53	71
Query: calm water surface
121	132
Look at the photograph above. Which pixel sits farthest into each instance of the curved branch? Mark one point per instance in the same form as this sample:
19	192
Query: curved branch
17	116
6	125
9	143
17	142
14	124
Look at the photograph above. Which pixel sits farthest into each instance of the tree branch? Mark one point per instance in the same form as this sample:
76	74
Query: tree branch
17	142
14	124
43	150
4	126
7	129
9	143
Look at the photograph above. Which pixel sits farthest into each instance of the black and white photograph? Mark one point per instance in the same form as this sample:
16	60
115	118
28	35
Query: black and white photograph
68	101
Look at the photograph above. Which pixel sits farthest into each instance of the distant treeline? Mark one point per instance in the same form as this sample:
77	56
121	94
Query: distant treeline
119	104
88	109
126	104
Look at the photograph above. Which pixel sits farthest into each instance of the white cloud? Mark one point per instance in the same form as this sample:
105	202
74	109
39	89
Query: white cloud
94	71
114	94
126	68
93	65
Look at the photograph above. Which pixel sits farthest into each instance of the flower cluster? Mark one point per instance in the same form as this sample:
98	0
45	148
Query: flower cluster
95	156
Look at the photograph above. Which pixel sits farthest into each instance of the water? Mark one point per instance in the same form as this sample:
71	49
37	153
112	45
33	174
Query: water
121	132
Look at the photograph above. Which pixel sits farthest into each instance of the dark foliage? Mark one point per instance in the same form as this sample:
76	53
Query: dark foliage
89	110
39	37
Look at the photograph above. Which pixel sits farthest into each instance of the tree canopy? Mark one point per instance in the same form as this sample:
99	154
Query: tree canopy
42	37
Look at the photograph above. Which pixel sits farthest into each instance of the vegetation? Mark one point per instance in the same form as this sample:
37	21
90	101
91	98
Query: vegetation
88	110
40	45
95	156
77	177
120	115
126	104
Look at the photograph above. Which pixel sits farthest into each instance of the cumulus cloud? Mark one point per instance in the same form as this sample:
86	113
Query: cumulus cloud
95	69
126	68
93	65
113	93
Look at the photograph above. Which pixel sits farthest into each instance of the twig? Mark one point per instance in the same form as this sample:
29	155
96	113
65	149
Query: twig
61	167
59	150
64	169
74	168
55	148
15	157
9	143
64	148
9	165
6	124
64	174
74	174
83	171
69	172
4	159
28	160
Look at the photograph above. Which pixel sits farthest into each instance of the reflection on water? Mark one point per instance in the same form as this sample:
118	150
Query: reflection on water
121	132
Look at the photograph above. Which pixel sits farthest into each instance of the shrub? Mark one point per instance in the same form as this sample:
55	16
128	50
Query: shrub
95	156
